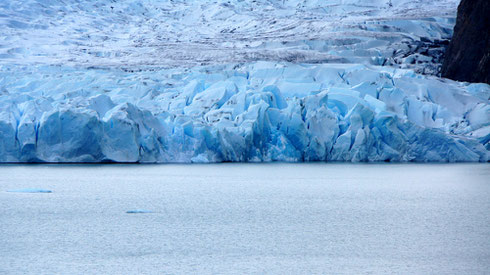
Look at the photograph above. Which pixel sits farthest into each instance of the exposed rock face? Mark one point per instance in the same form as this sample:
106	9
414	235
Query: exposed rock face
468	55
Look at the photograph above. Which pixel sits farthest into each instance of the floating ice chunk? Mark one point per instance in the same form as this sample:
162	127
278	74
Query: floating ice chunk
30	190
139	211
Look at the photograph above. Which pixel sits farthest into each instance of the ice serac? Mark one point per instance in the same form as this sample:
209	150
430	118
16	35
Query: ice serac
250	112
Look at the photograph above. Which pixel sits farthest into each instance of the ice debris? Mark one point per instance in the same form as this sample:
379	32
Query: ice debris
30	190
138	211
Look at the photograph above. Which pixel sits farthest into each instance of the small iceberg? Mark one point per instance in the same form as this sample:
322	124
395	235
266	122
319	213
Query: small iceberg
138	211
30	190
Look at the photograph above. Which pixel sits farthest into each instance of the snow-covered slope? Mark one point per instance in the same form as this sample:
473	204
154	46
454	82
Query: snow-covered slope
205	81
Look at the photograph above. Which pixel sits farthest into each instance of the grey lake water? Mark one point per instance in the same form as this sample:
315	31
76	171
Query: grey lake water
245	219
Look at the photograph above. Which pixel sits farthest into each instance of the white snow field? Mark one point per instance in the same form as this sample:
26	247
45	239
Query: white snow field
239	218
211	81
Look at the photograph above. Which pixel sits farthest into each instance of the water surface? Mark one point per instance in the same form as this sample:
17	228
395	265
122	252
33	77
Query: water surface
245	218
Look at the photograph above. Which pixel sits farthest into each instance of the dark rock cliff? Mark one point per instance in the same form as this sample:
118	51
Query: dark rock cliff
468	55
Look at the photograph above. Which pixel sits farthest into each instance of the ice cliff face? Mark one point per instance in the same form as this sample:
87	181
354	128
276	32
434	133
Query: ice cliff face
257	112
104	82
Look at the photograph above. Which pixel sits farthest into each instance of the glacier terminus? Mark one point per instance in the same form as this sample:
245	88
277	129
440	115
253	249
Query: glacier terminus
183	81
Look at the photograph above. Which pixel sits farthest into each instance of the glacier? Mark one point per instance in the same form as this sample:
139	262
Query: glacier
183	81
260	111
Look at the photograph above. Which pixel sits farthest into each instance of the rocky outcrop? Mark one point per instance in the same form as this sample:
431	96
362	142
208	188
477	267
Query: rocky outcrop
468	55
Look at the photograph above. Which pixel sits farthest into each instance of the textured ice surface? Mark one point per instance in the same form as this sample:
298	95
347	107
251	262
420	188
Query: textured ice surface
180	81
256	112
136	33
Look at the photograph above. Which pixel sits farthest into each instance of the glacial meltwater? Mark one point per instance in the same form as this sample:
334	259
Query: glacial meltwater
245	219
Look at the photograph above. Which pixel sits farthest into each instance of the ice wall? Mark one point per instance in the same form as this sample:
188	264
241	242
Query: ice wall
256	112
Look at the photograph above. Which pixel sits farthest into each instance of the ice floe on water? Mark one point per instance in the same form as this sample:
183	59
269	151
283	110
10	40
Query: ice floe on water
139	211
30	190
211	81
